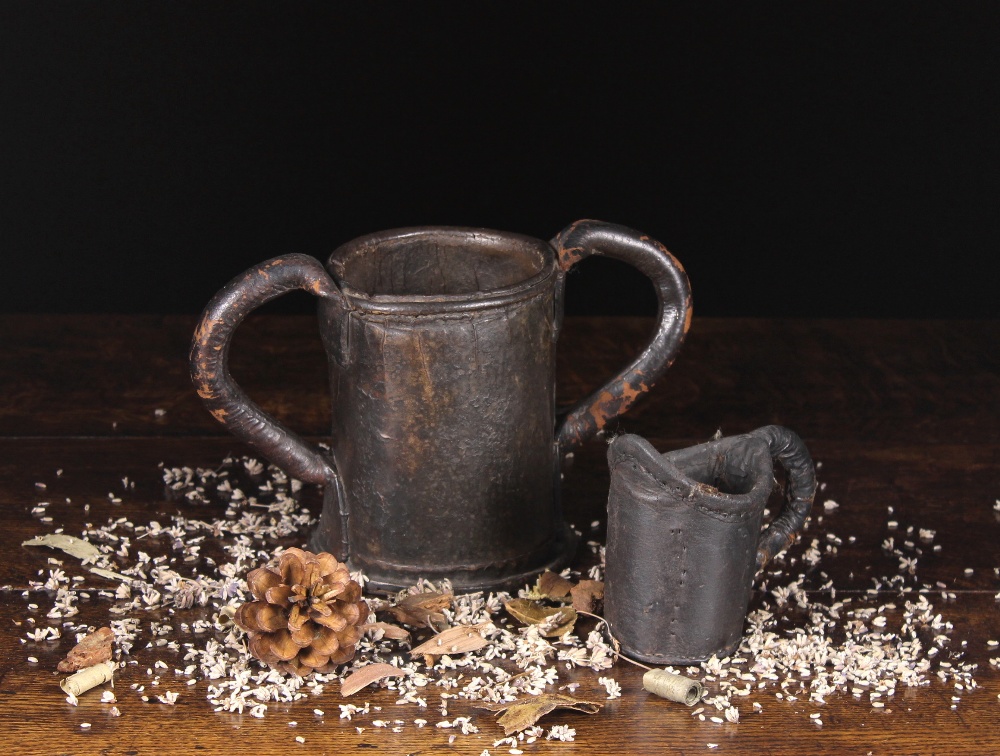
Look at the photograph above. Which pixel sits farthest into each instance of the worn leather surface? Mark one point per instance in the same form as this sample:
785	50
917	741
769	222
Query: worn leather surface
684	538
445	453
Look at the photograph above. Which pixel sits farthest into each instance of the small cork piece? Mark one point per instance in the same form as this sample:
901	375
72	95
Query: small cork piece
85	679
673	687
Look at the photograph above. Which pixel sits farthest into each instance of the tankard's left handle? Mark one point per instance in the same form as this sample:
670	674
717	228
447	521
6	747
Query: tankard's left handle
222	395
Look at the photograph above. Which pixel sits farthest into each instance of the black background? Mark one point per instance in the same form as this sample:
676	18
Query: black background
806	159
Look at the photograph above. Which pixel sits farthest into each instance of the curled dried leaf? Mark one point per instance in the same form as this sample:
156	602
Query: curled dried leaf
422	609
553	621
387	630
455	640
366	676
93	649
524	712
587	594
552	585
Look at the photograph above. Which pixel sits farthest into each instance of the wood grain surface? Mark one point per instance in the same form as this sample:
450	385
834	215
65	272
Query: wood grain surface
904	417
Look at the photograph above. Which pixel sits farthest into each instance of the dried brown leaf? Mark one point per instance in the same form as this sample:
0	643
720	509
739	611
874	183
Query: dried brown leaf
587	594
555	621
455	640
93	649
388	630
366	676
552	585
422	609
524	712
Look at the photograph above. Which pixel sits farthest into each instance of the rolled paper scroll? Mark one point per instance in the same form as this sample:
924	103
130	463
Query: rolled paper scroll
85	679
673	687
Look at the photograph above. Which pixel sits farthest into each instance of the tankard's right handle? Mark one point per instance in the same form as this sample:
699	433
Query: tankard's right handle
788	450
590	237
210	363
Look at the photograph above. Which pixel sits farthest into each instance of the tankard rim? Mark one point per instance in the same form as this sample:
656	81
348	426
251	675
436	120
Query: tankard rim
427	304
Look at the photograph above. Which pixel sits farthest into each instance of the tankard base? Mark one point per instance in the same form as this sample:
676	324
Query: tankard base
507	575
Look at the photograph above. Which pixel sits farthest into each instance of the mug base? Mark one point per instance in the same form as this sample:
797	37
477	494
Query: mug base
689	658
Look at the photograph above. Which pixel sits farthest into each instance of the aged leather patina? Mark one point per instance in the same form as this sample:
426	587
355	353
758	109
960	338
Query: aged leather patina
685	540
446	447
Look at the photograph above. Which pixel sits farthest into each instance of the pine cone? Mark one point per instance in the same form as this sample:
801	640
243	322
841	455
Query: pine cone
307	615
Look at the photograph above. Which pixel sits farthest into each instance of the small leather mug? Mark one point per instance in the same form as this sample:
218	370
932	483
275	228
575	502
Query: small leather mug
685	540
446	448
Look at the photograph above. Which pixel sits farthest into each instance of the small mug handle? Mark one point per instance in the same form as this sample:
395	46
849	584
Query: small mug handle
589	237
789	451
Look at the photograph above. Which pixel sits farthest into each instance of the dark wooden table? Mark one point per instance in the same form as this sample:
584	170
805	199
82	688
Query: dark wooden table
902	415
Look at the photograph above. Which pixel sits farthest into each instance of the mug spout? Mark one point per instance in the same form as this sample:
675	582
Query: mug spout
632	449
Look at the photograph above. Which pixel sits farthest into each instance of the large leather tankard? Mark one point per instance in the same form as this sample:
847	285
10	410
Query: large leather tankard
446	446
